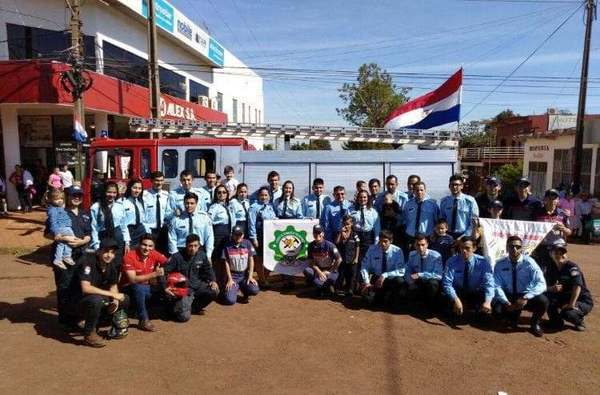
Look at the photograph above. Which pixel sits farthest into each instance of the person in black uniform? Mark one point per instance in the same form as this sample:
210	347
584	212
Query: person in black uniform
486	199
193	263
570	299
63	278
98	293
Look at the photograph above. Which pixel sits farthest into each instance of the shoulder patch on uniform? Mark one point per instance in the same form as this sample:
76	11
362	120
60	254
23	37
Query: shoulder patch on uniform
87	270
574	272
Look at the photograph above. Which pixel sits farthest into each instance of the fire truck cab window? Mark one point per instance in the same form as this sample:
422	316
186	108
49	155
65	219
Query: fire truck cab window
199	161
112	164
170	158
145	163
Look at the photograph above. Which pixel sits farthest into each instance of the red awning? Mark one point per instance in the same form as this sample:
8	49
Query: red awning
39	82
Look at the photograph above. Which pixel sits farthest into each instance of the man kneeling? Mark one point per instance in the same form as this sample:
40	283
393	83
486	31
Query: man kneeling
202	287
382	272
468	282
238	255
99	294
520	285
324	259
424	272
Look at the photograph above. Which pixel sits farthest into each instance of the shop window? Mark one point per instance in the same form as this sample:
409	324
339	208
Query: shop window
170	165
199	161
25	42
234	110
145	169
537	177
561	169
219	101
124	65
112	164
197	90
171	83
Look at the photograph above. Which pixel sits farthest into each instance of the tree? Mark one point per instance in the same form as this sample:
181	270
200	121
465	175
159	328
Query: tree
312	145
369	101
475	136
268	147
509	174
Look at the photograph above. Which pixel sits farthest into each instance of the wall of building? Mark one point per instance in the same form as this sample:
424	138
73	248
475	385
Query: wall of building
512	127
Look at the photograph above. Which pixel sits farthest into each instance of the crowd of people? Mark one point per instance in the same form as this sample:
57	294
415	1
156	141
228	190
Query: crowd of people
188	247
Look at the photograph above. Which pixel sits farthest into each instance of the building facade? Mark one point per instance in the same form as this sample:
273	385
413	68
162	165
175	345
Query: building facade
199	78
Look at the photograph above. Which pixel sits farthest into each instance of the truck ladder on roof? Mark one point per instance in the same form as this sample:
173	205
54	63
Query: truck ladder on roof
430	138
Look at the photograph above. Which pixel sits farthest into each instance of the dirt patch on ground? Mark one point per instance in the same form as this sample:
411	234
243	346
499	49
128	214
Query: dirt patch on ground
287	343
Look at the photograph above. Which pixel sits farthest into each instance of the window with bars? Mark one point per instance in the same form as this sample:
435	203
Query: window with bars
561	170
537	177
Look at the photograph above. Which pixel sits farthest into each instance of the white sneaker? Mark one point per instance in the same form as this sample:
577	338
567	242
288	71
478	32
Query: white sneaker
69	261
60	264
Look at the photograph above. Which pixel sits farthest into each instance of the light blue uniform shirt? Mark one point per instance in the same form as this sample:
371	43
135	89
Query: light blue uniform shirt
211	194
118	214
218	214
481	278
309	205
129	208
430	213
372	263
332	217
176	200
241	209
466	209
201	226
530	279
258	211
273	194
429	266
151	206
293	208
399	196
371	220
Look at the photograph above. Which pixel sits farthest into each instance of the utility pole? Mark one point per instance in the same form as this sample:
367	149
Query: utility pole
153	75
77	84
590	9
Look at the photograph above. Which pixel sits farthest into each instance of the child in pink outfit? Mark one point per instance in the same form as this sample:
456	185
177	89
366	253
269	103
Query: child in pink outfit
54	181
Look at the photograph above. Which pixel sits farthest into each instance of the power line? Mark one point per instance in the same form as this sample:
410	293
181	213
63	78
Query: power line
525	60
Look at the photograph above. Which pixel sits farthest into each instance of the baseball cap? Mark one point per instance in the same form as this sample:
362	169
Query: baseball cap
497	204
559	244
237	230
108	244
75	191
552	193
523	180
493	181
317	229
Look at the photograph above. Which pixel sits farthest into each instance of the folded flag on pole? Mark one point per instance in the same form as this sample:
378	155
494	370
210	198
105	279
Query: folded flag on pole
435	108
79	133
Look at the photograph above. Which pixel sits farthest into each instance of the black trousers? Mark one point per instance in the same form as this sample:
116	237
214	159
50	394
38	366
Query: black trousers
161	238
63	279
470	300
538	305
347	276
93	307
197	299
393	290
426	290
574	316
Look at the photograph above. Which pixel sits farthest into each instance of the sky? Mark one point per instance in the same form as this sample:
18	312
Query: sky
423	42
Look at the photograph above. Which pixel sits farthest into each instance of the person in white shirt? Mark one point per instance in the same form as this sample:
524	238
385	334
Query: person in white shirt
230	182
66	177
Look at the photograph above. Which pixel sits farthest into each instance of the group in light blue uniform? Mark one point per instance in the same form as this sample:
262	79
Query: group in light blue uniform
129	206
98	223
428	266
179	229
154	200
399	197
309	205
480	277
372	263
220	214
367	220
288	208
259	212
333	217
466	210
241	209
176	200
530	280
428	217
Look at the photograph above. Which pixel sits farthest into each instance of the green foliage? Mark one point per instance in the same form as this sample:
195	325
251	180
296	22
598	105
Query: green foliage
312	145
268	147
509	174
477	137
369	101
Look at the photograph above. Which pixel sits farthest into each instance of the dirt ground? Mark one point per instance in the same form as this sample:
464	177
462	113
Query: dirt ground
287	343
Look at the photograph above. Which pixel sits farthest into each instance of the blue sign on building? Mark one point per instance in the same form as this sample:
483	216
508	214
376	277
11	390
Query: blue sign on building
165	16
216	53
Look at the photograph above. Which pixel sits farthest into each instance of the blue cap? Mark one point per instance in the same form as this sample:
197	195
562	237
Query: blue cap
493	181
75	191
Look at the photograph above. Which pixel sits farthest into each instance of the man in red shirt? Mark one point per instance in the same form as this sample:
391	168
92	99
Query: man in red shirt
141	267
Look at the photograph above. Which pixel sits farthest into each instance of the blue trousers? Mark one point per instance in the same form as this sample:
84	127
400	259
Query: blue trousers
140	294
311	277
239	283
63	249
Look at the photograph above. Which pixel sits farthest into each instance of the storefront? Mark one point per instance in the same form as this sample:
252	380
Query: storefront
548	161
36	115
